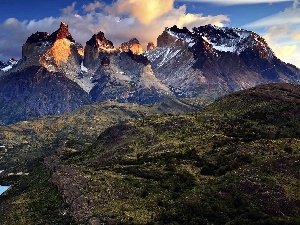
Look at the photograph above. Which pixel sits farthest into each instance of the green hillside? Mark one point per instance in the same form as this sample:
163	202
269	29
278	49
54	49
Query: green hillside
234	162
30	140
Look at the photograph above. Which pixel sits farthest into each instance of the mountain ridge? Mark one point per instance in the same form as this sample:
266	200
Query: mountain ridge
206	62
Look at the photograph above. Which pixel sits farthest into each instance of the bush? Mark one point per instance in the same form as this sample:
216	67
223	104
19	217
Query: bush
207	170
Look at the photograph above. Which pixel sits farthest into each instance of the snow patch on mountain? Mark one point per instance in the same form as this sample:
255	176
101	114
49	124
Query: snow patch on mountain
184	37
228	39
9	65
83	68
168	55
7	68
85	83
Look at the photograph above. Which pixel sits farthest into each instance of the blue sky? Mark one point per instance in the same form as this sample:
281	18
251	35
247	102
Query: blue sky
278	21
3	189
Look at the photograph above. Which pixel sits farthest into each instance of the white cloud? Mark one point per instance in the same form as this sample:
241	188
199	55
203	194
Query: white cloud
93	6
235	2
285	41
119	25
282	32
288	16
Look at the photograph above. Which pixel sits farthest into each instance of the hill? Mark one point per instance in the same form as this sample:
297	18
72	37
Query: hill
33	139
234	162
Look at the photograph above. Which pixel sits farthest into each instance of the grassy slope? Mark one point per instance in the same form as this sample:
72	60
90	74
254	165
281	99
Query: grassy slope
236	161
28	140
27	143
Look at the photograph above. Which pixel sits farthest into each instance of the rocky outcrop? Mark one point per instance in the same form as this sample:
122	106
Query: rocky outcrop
2	65
132	45
150	46
126	77
61	33
73	185
165	39
36	92
94	47
74	188
57	52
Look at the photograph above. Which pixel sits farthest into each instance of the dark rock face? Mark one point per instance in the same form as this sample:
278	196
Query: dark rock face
36	92
127	78
97	46
99	40
2	64
138	58
105	61
38	37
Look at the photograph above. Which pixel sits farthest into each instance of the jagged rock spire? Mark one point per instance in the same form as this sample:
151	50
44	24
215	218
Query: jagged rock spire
61	33
55	52
150	46
96	48
100	41
133	45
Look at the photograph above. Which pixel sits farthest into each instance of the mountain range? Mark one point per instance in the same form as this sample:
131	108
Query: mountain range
58	75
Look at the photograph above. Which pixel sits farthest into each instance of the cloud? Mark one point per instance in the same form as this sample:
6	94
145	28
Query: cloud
296	35
93	6
145	11
235	2
284	41
282	32
118	21
288	16
70	9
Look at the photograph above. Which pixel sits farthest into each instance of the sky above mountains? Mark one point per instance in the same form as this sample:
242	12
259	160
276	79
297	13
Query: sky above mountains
278	21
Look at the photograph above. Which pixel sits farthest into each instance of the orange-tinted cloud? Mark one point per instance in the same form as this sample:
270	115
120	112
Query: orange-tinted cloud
144	11
284	41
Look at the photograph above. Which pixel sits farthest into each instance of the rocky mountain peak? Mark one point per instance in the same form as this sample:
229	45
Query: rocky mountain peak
177	30
95	47
61	33
99	41
219	59
132	45
216	39
174	35
57	52
38	37
235	40
150	46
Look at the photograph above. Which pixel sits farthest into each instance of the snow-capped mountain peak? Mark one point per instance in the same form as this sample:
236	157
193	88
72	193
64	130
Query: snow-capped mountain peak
220	39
